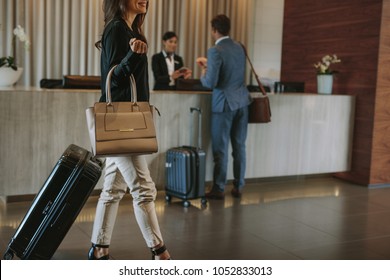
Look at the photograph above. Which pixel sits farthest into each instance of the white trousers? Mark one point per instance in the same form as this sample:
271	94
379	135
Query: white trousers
122	173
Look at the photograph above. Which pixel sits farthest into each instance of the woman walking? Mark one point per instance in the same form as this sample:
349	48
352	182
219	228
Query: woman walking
123	45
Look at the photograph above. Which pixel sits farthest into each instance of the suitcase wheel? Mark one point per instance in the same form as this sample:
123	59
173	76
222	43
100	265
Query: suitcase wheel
9	255
186	203
168	198
203	201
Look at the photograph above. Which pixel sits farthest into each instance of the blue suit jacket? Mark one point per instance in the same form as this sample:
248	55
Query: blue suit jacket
226	76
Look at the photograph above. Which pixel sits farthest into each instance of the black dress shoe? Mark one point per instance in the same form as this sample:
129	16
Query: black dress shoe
215	195
236	193
91	255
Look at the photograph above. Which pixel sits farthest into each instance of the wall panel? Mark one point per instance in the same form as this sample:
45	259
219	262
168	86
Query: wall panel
380	171
358	32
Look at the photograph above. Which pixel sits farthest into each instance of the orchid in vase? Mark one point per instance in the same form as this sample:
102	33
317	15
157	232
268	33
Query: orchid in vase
10	61
323	66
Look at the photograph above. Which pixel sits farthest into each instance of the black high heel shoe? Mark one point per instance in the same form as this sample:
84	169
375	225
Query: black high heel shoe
91	255
158	251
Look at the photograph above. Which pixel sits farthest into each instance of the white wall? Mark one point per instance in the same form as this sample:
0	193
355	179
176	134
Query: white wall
267	38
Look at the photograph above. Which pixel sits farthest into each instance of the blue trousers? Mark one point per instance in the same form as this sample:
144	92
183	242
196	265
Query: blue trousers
225	126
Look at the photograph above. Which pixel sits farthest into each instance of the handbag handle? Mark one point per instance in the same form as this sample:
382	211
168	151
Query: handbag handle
253	70
108	87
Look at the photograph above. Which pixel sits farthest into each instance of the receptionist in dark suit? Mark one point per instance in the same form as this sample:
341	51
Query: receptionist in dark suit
167	66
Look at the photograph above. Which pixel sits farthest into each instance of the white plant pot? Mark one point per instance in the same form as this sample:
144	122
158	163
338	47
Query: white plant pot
8	76
324	83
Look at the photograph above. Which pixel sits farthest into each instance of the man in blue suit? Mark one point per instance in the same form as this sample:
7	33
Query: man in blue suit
224	73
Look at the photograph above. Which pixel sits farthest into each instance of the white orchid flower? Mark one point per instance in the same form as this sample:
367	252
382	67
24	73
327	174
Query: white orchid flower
324	65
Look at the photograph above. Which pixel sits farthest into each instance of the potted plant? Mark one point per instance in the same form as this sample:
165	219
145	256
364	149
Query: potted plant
325	73
9	71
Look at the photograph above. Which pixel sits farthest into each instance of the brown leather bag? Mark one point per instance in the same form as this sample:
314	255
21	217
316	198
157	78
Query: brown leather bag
81	82
121	128
259	109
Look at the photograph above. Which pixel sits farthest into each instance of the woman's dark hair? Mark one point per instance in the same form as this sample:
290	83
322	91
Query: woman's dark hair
221	23
118	8
169	35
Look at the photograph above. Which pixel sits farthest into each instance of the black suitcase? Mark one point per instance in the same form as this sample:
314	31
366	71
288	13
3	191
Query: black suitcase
185	170
56	206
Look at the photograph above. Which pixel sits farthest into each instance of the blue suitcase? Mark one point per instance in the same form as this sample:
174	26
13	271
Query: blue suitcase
185	171
56	206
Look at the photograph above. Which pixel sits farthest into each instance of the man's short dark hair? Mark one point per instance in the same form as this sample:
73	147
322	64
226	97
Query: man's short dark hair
221	23
169	35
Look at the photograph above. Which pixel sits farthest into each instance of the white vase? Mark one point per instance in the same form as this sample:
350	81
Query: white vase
8	76
324	83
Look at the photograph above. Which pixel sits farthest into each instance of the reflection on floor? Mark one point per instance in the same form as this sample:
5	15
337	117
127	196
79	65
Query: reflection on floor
304	218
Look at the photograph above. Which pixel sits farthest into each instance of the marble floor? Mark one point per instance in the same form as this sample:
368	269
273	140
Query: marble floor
309	218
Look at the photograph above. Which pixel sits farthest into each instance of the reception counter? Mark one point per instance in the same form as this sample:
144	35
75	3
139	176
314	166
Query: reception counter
309	134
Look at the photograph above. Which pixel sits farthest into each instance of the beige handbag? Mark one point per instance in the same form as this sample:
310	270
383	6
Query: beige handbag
121	128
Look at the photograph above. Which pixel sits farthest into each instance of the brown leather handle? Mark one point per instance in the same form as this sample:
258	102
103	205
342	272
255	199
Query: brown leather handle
253	70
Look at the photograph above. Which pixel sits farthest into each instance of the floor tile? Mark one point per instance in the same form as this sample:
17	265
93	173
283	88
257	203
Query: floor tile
312	218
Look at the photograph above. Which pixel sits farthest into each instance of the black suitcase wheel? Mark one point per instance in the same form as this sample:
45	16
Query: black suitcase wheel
186	203
203	201
9	255
168	198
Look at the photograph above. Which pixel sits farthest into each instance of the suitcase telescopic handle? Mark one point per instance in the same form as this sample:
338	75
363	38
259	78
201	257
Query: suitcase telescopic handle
199	110
192	109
